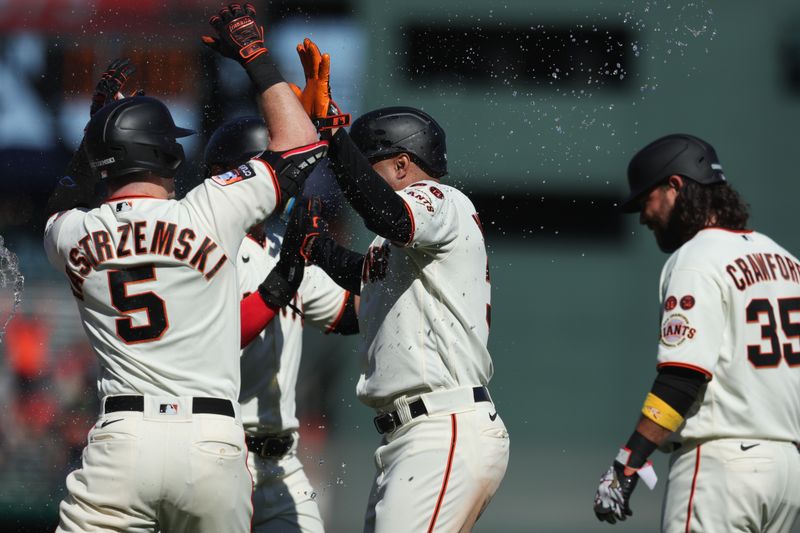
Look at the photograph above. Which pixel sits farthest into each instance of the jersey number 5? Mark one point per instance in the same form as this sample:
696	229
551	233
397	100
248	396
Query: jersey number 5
149	302
769	331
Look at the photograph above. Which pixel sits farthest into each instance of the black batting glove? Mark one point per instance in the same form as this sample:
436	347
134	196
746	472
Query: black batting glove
612	501
111	83
241	39
316	231
282	283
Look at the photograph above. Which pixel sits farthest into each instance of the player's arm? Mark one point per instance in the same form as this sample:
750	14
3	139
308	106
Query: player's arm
78	187
674	391
343	266
294	147
382	209
347	321
281	284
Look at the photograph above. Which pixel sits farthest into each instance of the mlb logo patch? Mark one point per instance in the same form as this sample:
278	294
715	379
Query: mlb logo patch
242	172
168	408
123	206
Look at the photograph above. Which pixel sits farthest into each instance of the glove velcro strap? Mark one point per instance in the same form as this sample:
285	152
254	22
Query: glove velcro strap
332	121
646	472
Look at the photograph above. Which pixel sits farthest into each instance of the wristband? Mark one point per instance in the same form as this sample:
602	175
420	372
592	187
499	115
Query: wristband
263	72
661	412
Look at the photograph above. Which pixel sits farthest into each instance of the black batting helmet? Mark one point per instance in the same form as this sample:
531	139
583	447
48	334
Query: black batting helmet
685	155
389	131
236	142
134	134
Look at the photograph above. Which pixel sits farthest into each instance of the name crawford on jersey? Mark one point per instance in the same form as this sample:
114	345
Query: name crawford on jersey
166	239
758	267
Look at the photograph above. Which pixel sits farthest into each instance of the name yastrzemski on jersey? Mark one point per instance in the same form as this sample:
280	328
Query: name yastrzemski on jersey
166	239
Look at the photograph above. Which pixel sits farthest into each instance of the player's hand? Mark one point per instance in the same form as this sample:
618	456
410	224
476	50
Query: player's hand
282	283
315	227
612	501
238	35
316	95
111	83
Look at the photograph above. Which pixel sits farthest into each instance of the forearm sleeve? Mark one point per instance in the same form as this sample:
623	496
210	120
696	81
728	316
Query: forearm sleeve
674	391
347	323
256	314
342	265
382	209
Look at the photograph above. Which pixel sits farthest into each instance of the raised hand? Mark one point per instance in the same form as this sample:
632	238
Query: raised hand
111	83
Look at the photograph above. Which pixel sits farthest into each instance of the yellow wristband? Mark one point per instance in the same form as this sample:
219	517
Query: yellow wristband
661	412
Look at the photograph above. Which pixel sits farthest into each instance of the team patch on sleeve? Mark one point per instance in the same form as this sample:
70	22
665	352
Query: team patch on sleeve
675	329
242	172
422	197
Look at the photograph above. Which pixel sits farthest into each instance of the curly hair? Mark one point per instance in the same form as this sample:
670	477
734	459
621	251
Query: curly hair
700	206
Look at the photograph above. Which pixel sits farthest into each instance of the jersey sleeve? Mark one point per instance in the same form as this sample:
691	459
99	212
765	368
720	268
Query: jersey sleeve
692	321
235	200
433	221
323	300
56	231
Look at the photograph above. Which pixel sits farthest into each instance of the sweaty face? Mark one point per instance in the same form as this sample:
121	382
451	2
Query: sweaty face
657	214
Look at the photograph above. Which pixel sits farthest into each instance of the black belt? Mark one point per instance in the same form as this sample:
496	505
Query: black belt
388	422
270	446
211	406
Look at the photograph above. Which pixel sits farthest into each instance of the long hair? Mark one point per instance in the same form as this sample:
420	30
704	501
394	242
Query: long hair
700	206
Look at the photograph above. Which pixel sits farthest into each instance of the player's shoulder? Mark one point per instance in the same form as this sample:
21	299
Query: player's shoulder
712	246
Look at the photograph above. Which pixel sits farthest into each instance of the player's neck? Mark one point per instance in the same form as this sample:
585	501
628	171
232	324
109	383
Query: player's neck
155	188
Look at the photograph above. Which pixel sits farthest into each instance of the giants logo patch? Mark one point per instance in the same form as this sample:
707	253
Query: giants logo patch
675	330
242	172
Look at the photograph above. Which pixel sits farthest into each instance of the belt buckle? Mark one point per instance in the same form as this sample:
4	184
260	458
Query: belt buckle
275	447
384	423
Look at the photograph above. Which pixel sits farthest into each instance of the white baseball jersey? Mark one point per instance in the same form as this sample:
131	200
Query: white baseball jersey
271	361
425	305
731	309
156	285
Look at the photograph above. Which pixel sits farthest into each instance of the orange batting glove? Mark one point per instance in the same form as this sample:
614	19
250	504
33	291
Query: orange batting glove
316	96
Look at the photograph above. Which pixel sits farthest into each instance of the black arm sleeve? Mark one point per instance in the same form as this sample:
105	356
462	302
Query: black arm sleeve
342	265
678	386
383	211
348	322
77	188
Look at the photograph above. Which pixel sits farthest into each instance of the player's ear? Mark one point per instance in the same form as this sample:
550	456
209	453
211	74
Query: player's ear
402	163
675	182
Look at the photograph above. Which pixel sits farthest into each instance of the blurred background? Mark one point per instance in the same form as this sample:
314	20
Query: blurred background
543	103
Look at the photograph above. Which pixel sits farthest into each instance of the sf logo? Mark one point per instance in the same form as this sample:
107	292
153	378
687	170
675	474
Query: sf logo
376	263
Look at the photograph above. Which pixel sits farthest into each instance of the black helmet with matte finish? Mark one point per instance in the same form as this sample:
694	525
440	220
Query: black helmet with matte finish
236	142
134	134
389	131
685	155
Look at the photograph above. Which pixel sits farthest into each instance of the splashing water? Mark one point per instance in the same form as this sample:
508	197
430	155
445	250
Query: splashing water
10	280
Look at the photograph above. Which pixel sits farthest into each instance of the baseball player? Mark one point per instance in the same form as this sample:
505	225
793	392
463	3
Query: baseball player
424	318
157	292
726	399
282	497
